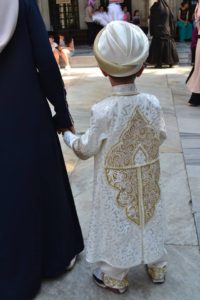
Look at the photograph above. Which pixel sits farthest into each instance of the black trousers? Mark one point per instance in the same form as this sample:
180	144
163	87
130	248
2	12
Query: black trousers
91	33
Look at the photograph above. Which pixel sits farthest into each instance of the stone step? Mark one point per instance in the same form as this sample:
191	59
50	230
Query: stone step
83	61
84	58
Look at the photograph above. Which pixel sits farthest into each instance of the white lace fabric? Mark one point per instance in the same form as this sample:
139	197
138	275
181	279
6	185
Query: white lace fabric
126	226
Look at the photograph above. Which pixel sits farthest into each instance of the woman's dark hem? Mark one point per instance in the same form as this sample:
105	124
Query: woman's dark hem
194	99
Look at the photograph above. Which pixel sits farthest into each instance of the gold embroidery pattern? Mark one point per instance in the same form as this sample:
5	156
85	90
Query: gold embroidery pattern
157	273
151	189
135	150
114	283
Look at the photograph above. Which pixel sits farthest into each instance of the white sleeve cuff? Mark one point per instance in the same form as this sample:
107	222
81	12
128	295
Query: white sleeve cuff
69	138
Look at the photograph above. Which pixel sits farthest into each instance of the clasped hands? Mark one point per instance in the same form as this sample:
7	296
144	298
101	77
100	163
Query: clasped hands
63	130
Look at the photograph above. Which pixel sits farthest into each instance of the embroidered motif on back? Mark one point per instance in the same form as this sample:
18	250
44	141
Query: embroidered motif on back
132	167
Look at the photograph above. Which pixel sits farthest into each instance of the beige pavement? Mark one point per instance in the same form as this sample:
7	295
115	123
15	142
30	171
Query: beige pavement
180	167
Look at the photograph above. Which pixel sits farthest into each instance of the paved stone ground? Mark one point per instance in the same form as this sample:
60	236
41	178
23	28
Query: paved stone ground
180	168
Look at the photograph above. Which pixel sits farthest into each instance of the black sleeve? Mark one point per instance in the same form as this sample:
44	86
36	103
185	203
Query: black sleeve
49	74
151	21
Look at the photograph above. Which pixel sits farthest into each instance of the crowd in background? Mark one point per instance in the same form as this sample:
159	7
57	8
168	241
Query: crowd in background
184	17
184	29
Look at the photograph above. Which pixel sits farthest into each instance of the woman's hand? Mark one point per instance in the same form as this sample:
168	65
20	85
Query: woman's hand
62	130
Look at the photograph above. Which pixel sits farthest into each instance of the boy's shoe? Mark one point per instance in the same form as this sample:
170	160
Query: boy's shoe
157	272
111	284
71	264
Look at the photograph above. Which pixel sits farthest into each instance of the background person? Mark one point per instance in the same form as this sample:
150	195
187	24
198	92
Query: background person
66	47
127	15
54	47
162	29
183	24
89	12
136	18
194	44
58	53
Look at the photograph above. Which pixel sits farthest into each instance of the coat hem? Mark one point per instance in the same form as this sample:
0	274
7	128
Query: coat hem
145	262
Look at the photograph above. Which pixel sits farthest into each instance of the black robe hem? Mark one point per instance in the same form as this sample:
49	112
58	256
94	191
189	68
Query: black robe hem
194	99
163	52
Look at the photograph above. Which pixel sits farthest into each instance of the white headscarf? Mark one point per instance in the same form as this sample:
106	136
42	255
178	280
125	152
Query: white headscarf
121	49
9	10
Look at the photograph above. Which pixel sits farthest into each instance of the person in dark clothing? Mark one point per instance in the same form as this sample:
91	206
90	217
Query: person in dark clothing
136	18
39	228
194	44
162	28
183	24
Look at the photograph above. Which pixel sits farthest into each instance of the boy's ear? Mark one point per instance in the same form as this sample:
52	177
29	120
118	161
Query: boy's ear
104	73
139	73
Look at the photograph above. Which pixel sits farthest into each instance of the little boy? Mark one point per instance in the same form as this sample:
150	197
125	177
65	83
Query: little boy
125	133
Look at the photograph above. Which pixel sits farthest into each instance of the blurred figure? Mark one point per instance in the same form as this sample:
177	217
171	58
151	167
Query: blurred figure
66	47
136	18
101	8
89	12
162	29
183	24
58	52
194	43
54	47
127	15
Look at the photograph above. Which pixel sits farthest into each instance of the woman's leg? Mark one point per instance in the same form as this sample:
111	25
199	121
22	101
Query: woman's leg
56	55
64	57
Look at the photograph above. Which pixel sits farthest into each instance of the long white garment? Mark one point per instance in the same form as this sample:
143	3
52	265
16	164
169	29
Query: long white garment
9	10
125	133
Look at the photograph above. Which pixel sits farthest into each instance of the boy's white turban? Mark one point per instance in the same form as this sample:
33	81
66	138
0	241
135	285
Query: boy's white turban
121	49
9	10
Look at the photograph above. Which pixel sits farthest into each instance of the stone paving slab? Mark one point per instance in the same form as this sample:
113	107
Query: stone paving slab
182	281
193	172
197	222
179	183
188	119
176	196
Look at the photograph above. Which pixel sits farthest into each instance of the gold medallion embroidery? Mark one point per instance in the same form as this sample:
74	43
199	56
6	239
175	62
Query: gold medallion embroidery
138	147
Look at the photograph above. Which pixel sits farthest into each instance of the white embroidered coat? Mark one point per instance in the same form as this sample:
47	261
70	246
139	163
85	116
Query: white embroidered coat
126	130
